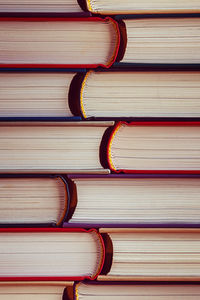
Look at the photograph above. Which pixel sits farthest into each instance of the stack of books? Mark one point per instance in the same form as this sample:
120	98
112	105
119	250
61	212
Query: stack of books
99	149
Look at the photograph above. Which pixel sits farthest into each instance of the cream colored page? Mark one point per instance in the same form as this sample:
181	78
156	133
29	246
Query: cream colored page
137	292
31	200
57	42
64	254
141	94
155	254
50	147
143	6
68	6
168	40
137	200
31	291
35	94
156	148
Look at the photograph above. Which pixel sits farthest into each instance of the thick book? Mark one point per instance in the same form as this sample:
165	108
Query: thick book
53	147
42	200
36	94
151	254
93	290
113	254
116	7
162	147
32	290
58	42
99	200
137	93
50	254
155	40
69	7
96	147
133	291
133	201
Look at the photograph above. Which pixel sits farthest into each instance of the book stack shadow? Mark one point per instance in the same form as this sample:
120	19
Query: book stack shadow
99	150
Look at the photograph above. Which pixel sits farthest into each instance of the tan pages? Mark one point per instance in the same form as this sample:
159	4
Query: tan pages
32	200
58	42
129	94
34	94
50	254
33	290
161	146
142	6
154	254
51	147
126	201
67	6
162	40
136	291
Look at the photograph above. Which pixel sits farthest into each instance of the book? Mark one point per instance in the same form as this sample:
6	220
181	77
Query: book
44	290
134	290
96	147
113	254
50	254
58	42
149	147
136	93
133	201
141	7
35	94
28	199
154	40
52	147
44	6
151	254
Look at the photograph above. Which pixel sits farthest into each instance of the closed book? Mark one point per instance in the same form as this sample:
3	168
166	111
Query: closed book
38	94
151	254
142	7
32	290
50	254
44	6
26	200
134	290
162	147
53	147
137	93
158	40
125	200
58	42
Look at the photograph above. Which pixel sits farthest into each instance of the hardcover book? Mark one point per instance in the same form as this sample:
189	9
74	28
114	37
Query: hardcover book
133	290
154	40
32	290
58	42
133	200
154	147
52	147
142	7
136	93
35	94
50	254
